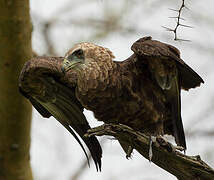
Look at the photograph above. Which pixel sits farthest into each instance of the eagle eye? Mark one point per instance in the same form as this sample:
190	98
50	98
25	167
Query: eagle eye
76	55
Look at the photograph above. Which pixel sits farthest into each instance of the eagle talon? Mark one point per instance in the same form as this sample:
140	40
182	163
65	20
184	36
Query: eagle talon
129	152
179	148
96	131
152	139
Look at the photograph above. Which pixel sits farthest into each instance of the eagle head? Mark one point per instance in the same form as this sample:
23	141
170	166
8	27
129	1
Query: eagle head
84	55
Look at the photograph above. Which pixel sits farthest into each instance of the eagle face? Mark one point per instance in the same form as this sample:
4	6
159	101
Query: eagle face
73	60
85	55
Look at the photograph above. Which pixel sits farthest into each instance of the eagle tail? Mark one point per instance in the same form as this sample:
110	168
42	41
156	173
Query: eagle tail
95	149
77	121
91	142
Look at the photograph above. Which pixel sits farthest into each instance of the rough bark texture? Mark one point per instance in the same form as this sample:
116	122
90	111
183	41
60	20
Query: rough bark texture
164	155
15	111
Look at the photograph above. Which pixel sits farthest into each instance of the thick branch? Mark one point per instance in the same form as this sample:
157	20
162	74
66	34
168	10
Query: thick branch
164	154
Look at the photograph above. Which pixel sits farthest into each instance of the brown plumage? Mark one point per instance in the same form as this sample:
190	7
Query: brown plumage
142	92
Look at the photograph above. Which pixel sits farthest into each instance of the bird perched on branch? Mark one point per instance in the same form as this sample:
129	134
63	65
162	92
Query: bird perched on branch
142	92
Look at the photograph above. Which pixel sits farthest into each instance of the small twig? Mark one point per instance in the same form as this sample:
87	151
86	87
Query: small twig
168	29
174	10
178	23
200	133
186	26
46	33
178	19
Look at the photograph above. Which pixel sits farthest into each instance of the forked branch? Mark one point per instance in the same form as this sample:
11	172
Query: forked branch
178	22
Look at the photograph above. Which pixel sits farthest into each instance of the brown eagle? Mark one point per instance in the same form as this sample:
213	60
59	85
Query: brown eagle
142	92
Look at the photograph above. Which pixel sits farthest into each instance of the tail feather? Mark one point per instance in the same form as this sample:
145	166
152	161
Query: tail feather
95	149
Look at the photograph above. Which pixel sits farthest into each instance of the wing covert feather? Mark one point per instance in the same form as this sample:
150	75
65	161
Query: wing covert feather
148	48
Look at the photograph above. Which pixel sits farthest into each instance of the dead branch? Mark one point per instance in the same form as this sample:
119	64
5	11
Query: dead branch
164	154
46	33
200	133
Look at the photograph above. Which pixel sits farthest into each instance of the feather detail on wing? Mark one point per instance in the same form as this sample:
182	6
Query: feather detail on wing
151	48
41	82
171	74
174	98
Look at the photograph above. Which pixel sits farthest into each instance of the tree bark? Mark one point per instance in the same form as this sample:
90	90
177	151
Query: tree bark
15	111
164	154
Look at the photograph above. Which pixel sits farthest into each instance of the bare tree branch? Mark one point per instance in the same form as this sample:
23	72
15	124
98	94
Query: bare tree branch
46	33
200	133
178	20
178	23
164	154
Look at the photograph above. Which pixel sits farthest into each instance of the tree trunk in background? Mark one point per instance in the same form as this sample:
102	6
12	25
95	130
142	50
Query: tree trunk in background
15	111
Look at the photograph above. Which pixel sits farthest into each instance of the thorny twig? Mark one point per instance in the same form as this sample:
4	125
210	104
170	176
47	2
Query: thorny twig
178	23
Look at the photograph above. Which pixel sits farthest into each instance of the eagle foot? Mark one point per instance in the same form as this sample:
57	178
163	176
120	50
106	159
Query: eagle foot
129	152
96	131
179	148
161	141
170	148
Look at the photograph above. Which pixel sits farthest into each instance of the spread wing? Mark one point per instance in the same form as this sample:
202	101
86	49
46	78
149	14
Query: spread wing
148	47
171	74
43	83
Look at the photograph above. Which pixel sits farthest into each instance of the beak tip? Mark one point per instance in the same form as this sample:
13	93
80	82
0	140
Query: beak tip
63	69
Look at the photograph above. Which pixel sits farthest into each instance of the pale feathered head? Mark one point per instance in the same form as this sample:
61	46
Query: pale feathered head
84	55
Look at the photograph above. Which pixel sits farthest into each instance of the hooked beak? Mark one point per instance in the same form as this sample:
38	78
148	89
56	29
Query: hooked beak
67	65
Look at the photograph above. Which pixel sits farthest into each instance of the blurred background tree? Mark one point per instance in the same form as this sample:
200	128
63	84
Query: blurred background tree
15	111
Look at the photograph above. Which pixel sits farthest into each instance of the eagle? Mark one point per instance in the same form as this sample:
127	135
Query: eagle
142	92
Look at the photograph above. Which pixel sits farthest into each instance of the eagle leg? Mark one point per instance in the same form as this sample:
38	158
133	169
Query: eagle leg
152	139
129	152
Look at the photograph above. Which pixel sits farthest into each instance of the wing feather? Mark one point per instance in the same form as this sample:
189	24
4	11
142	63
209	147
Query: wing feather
151	48
174	98
159	57
41	82
44	112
